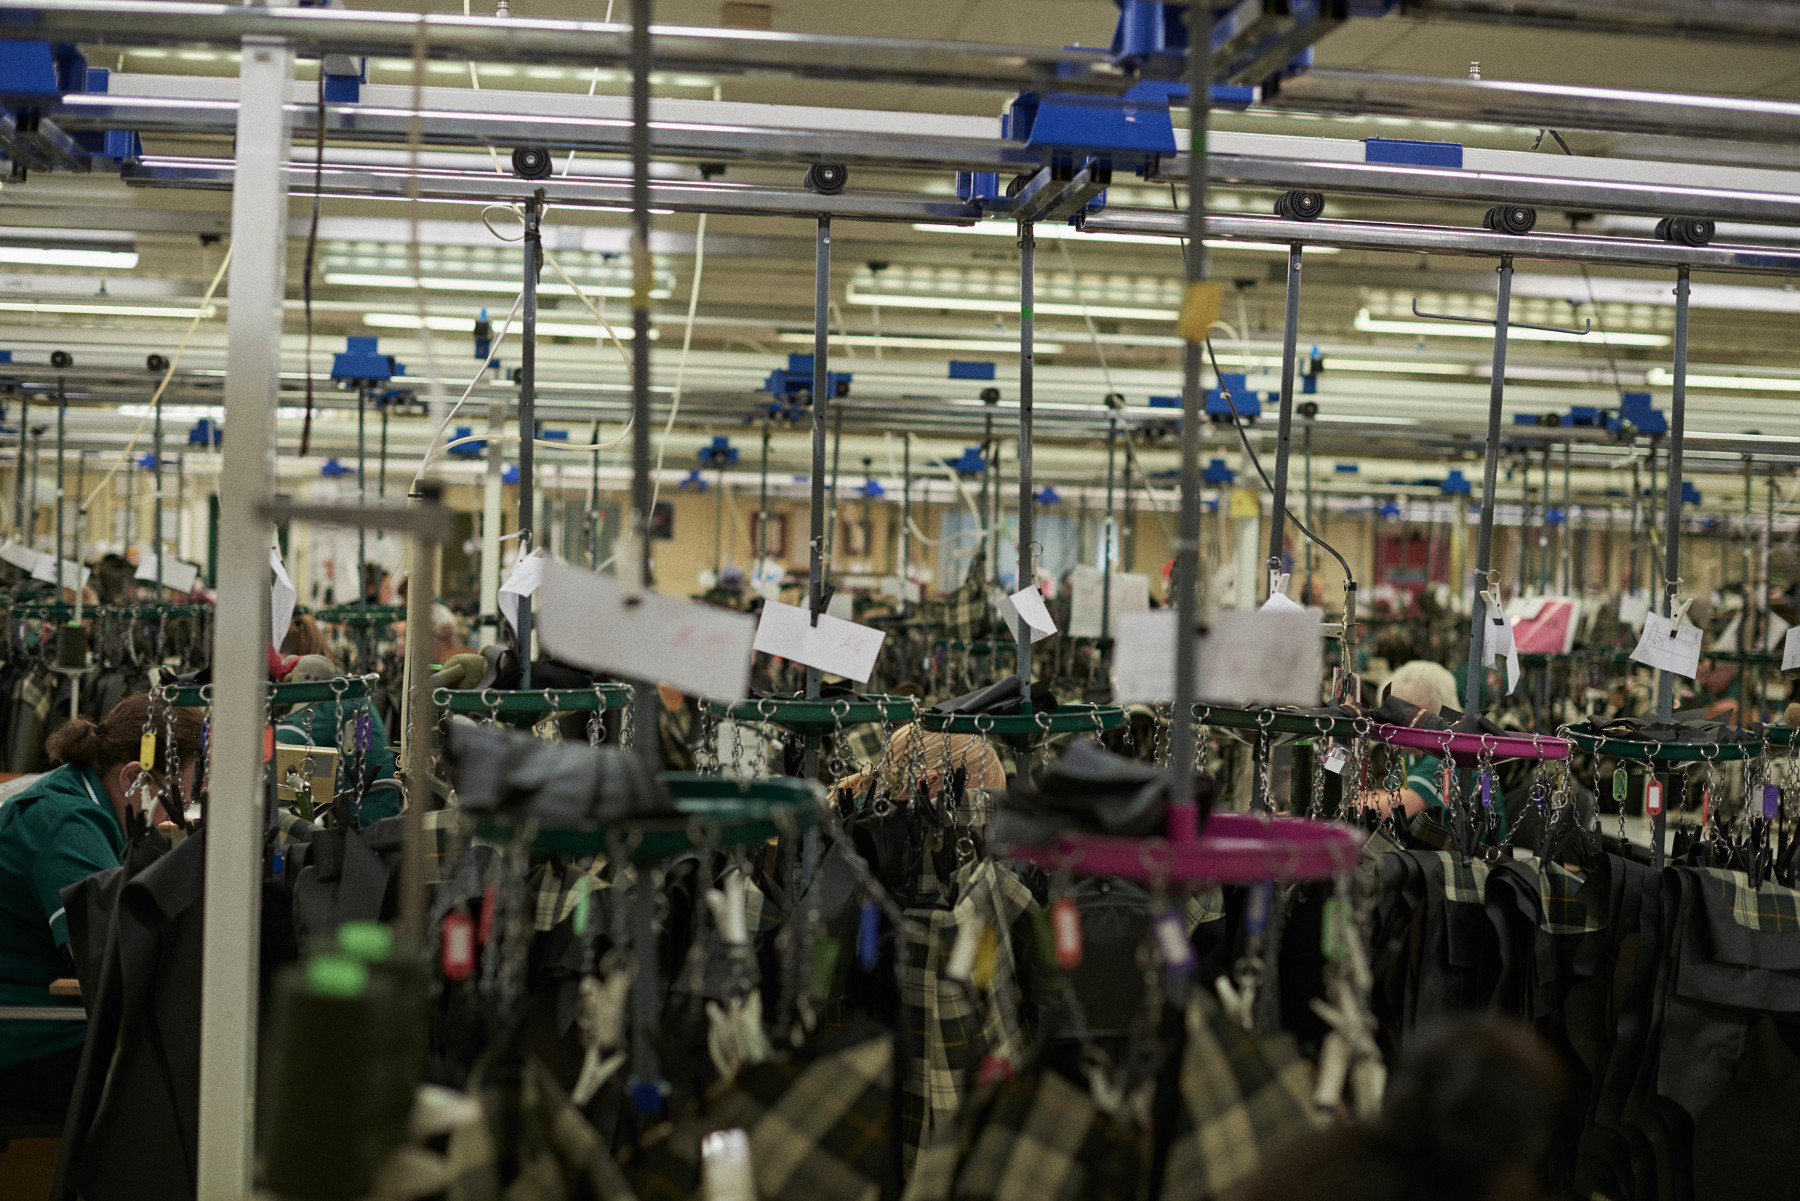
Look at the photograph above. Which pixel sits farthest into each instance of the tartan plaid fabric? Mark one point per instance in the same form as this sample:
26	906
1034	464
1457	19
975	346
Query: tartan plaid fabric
1562	912
1202	907
554	892
445	842
965	614
818	1130
573	1154
1033	1138
291	828
1465	880
1242	1097
864	745
1770	909
950	1025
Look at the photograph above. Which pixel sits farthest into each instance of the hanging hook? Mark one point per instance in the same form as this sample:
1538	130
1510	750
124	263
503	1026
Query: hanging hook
1549	329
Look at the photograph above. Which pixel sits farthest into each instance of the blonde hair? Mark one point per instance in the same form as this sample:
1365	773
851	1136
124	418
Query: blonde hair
1428	685
913	751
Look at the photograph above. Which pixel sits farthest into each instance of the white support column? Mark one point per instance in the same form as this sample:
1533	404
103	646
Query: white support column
234	814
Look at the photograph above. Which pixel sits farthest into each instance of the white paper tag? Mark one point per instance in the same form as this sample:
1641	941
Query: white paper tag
1498	641
1668	648
1790	649
585	619
1027	604
843	607
526	576
74	574
19	555
1087	600
1633	608
834	646
281	597
1271	658
1336	759
177	573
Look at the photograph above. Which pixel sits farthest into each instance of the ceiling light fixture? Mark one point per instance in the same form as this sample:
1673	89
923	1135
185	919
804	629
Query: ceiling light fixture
1447	329
903	342
1663	377
976	304
41	256
106	310
463	325
472	283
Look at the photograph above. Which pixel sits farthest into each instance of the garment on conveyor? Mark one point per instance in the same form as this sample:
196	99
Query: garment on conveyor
1092	791
1687	726
1002	698
500	772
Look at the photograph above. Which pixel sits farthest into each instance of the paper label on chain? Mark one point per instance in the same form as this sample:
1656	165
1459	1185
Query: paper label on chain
282	596
1790	650
526	576
1271	658
842	606
1668	647
1499	641
1027	605
1336	759
178	574
1633	608
834	646
596	622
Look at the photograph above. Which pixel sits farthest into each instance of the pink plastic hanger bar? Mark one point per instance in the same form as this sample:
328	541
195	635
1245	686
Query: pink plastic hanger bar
1233	848
1469	749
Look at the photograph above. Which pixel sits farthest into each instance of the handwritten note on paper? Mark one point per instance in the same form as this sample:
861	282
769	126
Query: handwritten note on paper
1027	605
1790	649
1271	657
596	622
1668	648
834	646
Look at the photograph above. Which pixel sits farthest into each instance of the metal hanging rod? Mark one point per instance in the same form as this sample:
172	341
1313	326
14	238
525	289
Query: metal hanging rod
1541	105
1437	239
1498	187
312	31
1587	327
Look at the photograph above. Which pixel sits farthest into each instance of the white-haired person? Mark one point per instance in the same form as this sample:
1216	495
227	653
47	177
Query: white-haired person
1431	687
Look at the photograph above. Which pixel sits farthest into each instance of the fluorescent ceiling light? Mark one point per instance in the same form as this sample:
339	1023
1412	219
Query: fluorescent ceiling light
1451	329
463	325
106	310
1663	377
1359	419
978	304
1000	229
902	342
472	283
38	256
1395	366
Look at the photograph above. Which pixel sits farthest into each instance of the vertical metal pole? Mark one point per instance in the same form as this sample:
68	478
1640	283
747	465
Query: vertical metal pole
719	525
645	701
1182	815
1284	426
62	437
157	508
1665	681
234	824
1637	500
1650	516
905	556
1108	528
593	501
1128	527
362	530
1568	525
831	493
1747	624
1490	476
528	421
762	508
1545	567
19	475
1306	589
821	402
180	506
421	716
1027	577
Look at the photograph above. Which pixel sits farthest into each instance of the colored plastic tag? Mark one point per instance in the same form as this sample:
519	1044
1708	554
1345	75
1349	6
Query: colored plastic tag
1621	784
1199	309
987	958
1065	921
268	743
1540	793
1771	801
823	981
147	751
362	733
1487	786
1653	798
457	955
1705	806
646	1097
1331	943
995	1067
1172	943
1256	908
868	936
278	861
1336	759
584	887
486	930
961	964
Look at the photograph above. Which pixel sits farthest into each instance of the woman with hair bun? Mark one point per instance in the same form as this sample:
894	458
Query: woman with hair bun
66	826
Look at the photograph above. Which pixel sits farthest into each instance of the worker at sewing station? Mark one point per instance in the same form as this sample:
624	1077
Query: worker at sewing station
70	823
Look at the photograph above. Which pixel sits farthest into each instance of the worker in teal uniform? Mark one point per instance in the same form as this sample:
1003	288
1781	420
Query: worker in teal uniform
66	826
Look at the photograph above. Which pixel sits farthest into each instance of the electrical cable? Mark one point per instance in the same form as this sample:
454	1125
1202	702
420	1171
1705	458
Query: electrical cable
431	447
312	246
1238	424
168	374
687	340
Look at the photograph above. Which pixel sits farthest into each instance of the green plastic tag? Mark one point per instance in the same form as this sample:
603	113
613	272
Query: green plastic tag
1046	936
1620	784
825	953
370	942
1331	924
336	976
584	888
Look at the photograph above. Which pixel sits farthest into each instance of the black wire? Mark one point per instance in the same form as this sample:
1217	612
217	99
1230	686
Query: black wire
1237	422
312	246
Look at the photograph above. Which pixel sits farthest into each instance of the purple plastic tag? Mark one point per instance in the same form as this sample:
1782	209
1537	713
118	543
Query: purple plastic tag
1540	792
361	731
1771	799
1172	943
1256	908
1487	780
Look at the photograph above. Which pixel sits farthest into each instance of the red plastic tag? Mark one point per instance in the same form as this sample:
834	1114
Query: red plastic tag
1065	922
458	957
1705	806
486	930
995	1068
1653	798
268	743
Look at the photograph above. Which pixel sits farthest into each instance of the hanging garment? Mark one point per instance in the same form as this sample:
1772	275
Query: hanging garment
29	718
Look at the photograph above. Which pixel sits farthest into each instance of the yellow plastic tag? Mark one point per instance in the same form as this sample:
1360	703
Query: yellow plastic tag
1199	309
987	958
147	751
1245	503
